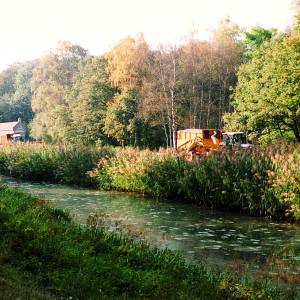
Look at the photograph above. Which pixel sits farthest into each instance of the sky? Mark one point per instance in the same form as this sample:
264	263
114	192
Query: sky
28	28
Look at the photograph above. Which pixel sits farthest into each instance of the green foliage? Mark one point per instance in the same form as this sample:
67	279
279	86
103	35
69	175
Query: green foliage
64	260
266	98
125	171
51	81
17	284
15	92
285	179
164	177
252	182
88	103
255	38
122	122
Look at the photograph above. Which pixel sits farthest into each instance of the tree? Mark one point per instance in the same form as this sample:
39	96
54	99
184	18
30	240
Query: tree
267	97
15	92
51	81
255	38
122	122
126	62
161	90
296	10
207	74
227	56
88	103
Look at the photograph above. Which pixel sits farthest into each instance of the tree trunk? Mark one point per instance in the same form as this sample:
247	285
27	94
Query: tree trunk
296	131
208	108
201	105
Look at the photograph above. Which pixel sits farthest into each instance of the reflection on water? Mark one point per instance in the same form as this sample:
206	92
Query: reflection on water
220	239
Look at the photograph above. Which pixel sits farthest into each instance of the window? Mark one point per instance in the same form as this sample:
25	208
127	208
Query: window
206	134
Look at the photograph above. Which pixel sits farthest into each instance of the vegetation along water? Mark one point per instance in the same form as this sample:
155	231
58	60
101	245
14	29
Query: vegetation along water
221	240
263	181
42	248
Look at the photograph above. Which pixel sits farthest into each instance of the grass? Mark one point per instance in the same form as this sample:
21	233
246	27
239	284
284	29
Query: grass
17	284
44	254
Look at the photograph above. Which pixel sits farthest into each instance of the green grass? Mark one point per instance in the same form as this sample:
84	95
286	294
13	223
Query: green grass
44	252
17	284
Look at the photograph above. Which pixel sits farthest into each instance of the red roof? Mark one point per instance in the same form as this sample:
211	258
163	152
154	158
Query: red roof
8	126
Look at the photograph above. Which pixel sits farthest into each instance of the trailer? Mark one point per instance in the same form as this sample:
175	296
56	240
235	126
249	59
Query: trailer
198	141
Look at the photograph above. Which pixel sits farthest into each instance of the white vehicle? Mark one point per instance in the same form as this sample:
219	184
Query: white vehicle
235	139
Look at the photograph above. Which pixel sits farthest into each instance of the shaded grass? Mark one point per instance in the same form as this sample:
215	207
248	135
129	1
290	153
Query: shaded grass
16	284
45	250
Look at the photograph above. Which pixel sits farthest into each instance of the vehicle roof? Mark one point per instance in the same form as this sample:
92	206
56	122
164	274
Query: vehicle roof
197	130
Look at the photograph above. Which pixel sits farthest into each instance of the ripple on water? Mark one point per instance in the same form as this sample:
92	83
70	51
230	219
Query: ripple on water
179	238
214	247
205	234
174	228
247	249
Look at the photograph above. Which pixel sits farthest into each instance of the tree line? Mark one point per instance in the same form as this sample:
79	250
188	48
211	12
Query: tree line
135	95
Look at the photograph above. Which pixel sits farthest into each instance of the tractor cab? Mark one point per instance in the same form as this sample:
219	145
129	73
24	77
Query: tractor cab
235	139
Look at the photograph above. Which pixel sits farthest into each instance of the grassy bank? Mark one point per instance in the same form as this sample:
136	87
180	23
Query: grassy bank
43	252
261	181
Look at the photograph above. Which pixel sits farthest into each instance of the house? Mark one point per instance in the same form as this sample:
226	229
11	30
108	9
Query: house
12	131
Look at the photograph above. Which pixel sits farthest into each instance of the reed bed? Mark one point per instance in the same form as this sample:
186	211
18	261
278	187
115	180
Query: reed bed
263	181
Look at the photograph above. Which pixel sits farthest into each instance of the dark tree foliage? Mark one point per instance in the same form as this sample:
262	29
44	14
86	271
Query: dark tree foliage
15	92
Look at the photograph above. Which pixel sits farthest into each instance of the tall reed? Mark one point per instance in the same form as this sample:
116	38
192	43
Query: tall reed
50	163
260	181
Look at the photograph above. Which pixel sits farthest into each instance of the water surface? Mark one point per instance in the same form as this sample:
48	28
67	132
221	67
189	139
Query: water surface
222	240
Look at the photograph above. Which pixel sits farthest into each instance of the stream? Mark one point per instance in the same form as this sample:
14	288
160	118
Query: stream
221	240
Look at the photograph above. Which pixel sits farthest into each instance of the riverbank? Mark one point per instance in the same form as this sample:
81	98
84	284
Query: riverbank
43	248
262	181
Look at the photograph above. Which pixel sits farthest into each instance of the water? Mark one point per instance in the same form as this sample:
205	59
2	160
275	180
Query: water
222	240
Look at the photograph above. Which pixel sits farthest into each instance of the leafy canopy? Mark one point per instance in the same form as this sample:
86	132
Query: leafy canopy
267	96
